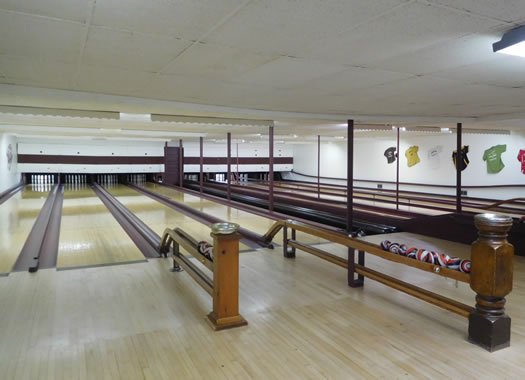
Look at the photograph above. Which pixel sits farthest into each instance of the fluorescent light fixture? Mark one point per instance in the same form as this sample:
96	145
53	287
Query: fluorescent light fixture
394	127
135	116
512	43
445	129
402	129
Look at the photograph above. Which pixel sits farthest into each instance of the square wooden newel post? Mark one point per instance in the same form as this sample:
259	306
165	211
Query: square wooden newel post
225	312
491	279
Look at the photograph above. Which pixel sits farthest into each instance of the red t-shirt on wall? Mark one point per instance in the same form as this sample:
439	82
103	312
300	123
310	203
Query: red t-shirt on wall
521	158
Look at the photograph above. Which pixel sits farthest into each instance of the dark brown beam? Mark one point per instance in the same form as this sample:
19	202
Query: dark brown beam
201	163
229	164
270	192
181	164
459	163
319	166
350	177
397	170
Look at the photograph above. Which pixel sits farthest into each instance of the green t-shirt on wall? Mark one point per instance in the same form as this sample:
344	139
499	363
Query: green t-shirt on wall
493	158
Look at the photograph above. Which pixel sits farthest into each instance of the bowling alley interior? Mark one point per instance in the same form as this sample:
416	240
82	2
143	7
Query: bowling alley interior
262	189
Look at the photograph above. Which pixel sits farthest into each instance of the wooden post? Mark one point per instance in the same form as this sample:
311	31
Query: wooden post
459	162
270	192
491	278
201	163
229	163
318	166
352	281
225	312
397	170
181	164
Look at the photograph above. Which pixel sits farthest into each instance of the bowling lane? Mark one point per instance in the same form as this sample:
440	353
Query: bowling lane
89	234
17	217
255	223
158	216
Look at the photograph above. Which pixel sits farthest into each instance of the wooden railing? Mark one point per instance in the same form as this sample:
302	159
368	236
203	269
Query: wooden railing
223	286
491	274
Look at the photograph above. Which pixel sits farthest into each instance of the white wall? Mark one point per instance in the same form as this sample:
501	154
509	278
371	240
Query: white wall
210	149
91	149
370	163
9	175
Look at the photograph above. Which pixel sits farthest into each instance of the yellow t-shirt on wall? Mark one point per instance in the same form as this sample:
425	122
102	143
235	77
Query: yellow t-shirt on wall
411	155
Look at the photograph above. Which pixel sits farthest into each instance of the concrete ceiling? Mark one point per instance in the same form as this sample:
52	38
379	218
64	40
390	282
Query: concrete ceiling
380	60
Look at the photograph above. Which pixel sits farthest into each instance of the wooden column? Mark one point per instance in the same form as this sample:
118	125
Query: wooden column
459	161
181	164
352	280
319	166
225	312
229	163
350	177
270	190
201	163
397	170
491	278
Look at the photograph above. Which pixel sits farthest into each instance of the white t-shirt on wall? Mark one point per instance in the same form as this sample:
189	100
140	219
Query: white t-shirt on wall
433	156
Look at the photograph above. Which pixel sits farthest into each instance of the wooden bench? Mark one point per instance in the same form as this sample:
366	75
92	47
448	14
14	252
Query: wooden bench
491	273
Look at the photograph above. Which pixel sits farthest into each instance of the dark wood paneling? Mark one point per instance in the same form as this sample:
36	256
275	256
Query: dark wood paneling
88	160
171	165
242	160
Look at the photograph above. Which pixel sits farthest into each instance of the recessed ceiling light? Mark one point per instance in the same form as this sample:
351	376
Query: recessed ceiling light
512	43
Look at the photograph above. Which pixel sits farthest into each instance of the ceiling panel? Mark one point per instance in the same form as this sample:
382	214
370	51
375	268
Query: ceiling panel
128	50
216	62
285	27
38	73
349	81
23	35
287	72
442	56
506	10
500	71
74	10
110	80
188	19
402	31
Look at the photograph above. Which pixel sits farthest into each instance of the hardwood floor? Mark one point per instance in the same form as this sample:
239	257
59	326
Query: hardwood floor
143	322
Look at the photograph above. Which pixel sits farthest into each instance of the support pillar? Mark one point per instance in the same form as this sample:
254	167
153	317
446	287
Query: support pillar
229	164
491	278
181	164
225	312
397	170
459	160
318	166
270	190
201	164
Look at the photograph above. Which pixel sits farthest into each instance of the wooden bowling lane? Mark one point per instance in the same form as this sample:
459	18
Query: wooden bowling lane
90	235
255	223
17	216
158	216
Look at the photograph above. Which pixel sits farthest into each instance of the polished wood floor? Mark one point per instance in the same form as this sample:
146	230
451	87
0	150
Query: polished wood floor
143	322
89	234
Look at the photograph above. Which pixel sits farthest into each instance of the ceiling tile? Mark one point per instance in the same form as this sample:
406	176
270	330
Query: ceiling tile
442	56
350	80
402	31
110	80
505	10
501	70
285	27
286	72
38	73
23	35
216	62
135	51
74	10
188	19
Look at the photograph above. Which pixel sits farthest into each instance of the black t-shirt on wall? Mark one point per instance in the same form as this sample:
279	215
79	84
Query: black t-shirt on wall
390	154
